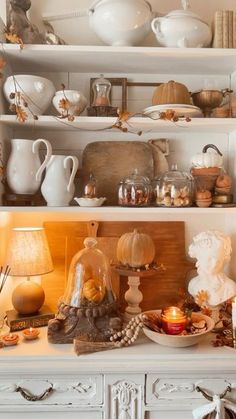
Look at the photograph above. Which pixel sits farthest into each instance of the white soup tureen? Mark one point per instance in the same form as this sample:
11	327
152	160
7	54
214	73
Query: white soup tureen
182	28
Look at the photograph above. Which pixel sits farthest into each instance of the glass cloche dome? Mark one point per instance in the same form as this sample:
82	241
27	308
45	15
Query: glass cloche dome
89	280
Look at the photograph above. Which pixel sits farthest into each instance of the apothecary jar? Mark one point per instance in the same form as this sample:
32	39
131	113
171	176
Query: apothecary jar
173	189
89	280
135	191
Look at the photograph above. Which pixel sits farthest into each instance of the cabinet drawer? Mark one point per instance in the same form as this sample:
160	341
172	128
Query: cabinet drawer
78	390
161	389
52	415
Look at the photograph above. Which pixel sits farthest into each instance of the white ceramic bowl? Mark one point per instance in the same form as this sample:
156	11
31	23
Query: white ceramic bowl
90	202
36	91
78	101
177	341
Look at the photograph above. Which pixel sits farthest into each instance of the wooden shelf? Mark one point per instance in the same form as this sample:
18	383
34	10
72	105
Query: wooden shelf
123	211
96	59
136	124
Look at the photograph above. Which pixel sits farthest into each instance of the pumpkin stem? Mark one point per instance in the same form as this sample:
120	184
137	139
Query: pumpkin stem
204	150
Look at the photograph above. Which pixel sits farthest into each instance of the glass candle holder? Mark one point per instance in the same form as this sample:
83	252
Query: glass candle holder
101	92
173	321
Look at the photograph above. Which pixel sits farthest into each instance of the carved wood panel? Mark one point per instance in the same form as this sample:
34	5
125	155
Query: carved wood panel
125	397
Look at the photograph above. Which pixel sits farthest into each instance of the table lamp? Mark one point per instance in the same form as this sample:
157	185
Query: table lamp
28	255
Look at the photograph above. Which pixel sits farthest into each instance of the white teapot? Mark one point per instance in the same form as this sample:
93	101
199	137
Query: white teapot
182	28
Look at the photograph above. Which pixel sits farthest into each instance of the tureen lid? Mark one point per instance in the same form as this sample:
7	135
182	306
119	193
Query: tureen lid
185	12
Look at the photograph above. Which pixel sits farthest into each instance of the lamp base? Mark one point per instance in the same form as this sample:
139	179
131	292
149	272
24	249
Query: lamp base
18	321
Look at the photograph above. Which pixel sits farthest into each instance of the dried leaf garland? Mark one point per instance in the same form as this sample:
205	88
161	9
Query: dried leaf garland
13	38
21	114
65	105
2	65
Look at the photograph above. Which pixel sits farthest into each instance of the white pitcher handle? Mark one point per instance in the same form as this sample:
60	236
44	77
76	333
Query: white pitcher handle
75	166
156	27
35	149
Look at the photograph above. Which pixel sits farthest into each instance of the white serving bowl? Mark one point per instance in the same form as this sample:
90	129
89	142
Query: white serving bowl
78	101
178	341
36	91
90	202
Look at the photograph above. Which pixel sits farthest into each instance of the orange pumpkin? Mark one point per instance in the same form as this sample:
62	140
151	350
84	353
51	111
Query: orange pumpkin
135	249
203	194
224	181
94	290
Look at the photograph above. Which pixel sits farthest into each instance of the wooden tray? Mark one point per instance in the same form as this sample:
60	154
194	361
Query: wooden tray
111	161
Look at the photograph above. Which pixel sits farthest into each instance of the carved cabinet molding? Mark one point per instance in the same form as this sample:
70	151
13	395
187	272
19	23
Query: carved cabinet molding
125	397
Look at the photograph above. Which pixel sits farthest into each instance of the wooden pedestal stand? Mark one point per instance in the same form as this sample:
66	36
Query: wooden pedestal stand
133	296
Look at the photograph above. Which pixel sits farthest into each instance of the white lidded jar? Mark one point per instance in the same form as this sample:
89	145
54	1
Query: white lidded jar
24	168
58	186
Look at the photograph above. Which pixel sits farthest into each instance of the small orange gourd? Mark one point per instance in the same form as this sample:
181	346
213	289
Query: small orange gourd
135	249
94	290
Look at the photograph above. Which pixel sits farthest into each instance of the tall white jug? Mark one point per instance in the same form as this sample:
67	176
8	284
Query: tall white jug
24	168
58	186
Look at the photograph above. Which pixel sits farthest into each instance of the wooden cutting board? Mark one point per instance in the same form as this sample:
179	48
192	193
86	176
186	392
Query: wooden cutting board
111	161
66	238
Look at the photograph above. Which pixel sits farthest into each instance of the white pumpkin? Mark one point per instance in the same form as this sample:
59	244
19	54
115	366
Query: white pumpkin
208	158
135	249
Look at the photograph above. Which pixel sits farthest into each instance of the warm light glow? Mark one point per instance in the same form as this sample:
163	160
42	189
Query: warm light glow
28	252
31	329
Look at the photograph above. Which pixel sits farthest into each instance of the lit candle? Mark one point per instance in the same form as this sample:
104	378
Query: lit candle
31	333
11	339
234	320
173	321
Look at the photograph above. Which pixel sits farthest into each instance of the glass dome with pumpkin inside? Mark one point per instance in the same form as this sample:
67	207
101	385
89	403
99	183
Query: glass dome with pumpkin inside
89	280
88	307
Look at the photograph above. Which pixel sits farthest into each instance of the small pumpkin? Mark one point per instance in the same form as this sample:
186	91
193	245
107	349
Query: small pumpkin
203	195
94	290
224	181
135	249
208	159
170	93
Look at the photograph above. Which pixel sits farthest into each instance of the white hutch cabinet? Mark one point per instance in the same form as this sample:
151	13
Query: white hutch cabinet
146	381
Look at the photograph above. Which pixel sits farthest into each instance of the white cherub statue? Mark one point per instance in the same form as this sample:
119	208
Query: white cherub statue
212	249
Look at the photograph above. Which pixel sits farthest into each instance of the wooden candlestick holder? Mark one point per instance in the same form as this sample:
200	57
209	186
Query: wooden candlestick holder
133	296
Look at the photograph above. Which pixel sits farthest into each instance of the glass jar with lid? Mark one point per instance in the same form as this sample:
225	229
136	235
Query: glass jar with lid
135	191
101	88
89	280
174	189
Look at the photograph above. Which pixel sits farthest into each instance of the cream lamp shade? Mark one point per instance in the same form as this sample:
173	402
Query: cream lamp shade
28	255
28	252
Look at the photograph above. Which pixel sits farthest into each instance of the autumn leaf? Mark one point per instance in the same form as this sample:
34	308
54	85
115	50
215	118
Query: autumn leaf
13	38
64	104
124	116
21	114
202	298
207	311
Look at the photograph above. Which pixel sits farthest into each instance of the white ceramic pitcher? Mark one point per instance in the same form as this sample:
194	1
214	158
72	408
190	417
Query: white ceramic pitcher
58	186
24	168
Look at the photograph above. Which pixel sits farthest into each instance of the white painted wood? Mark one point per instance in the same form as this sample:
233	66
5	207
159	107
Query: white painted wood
84	123
149	60
133	297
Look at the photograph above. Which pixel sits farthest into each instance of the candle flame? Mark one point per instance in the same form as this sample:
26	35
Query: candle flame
31	329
